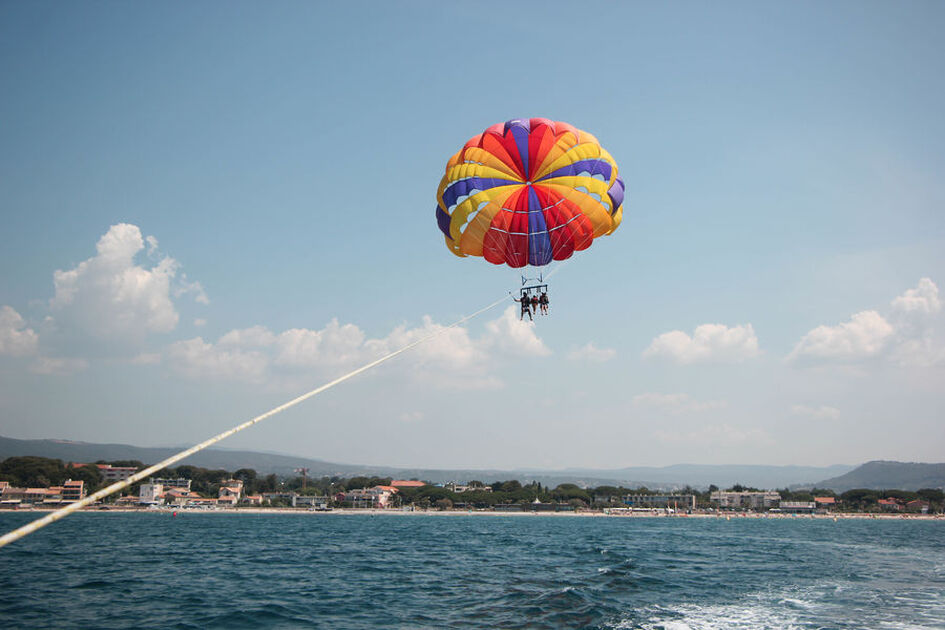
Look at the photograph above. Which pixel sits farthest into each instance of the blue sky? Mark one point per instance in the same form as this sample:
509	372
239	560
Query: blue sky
771	297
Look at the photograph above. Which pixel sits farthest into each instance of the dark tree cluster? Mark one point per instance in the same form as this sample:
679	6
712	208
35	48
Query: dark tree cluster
32	471
41	472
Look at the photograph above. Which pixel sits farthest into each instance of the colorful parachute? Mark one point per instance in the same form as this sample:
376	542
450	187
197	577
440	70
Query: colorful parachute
527	192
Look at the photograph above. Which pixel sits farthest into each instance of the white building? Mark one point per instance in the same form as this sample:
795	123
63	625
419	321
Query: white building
754	500
73	491
230	492
459	488
174	483
111	474
378	496
150	493
672	501
316	503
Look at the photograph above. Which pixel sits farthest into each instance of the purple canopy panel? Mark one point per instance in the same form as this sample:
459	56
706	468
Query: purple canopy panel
616	195
443	220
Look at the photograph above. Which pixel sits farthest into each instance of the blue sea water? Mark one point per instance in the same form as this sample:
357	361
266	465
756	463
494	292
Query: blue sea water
207	570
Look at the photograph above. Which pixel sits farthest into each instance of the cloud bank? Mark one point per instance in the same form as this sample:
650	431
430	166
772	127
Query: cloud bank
907	335
451	357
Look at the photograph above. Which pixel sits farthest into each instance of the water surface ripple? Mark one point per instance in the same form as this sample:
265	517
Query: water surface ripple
213	570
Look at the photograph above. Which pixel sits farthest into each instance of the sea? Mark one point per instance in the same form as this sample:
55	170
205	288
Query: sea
225	570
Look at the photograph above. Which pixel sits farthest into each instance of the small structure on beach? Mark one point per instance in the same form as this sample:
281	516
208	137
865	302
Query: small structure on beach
663	501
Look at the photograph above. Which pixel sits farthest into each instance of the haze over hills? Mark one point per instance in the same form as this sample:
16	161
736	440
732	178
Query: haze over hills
881	475
724	475
838	477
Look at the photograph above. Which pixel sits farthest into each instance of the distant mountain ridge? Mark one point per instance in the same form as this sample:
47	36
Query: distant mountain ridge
837	477
71	451
726	475
885	475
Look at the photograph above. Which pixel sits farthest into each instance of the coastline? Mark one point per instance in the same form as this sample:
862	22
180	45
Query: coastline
524	514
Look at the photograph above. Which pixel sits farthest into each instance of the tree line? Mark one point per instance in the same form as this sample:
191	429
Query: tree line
34	471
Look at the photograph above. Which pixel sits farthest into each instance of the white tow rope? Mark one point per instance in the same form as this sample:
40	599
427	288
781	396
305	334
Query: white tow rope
52	517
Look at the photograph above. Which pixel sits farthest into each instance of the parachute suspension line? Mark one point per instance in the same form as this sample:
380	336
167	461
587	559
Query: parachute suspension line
558	266
31	527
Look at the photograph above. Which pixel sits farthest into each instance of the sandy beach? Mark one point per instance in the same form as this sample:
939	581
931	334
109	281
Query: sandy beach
491	513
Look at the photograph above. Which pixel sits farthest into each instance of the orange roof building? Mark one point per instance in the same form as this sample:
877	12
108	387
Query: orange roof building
403	483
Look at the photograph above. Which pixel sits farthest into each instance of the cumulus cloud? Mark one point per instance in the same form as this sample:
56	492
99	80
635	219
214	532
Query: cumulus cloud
335	344
590	352
198	359
452	357
822	412
15	338
109	296
513	336
675	403
152	244
708	343
452	349
254	337
185	287
922	299
865	335
908	335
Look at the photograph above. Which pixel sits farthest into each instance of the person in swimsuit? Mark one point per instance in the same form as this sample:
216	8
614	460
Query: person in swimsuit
526	307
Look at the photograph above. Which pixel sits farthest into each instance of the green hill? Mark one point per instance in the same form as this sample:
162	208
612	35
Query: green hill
665	477
881	475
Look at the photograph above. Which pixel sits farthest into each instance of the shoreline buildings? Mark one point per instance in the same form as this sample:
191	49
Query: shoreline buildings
756	500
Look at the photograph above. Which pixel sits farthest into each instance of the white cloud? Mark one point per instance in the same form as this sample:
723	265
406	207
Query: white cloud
865	335
184	287
675	403
335	344
708	343
51	365
450	358
200	322
254	337
922	299
716	435
590	352
451	350
198	359
924	351
915	314
15	338
513	336
111	297
909	335
823	412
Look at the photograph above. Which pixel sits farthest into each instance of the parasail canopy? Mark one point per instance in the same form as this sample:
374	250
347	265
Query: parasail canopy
528	191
